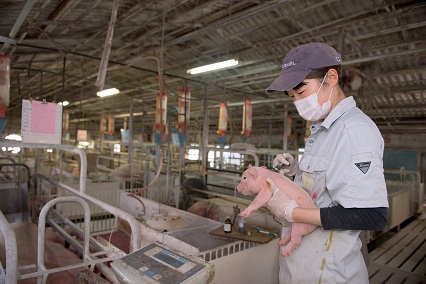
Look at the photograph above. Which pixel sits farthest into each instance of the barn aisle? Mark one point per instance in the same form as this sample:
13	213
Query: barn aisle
402	258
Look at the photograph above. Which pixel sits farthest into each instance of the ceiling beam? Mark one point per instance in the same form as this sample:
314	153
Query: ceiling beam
29	4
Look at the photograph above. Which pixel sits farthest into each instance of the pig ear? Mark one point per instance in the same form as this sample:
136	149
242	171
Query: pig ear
252	171
263	167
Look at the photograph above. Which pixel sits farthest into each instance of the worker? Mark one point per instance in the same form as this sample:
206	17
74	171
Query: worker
341	169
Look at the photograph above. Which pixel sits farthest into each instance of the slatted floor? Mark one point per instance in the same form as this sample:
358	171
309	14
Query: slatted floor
402	258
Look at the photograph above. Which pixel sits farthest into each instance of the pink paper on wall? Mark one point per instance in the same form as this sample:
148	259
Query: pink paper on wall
43	117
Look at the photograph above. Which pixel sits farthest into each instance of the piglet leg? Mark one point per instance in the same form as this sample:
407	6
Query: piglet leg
260	200
286	238
294	236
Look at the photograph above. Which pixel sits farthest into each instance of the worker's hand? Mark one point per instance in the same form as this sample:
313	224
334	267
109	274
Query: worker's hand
280	204
288	161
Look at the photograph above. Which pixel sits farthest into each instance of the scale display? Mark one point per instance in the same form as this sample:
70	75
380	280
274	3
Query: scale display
159	264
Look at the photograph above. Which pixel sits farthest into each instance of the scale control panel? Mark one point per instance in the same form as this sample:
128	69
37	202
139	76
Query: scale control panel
157	263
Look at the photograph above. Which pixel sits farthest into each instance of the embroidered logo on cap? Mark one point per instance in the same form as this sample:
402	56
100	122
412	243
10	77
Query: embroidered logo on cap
291	63
364	166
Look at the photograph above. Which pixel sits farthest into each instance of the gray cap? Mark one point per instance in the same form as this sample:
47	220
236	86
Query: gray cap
300	61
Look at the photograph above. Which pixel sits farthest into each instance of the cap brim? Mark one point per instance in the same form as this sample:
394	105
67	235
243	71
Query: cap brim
287	81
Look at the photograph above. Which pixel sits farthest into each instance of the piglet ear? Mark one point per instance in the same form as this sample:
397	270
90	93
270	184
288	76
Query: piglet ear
252	171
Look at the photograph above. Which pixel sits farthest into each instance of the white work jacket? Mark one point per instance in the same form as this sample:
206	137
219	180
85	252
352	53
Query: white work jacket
342	164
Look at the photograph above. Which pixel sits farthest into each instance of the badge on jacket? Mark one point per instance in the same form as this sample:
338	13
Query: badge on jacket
364	166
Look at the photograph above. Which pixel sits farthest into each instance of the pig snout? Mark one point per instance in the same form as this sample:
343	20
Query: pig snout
243	188
239	187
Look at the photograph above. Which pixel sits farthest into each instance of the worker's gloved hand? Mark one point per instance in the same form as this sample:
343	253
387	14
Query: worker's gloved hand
280	204
289	162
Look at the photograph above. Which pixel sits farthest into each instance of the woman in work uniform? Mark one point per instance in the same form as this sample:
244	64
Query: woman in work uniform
342	170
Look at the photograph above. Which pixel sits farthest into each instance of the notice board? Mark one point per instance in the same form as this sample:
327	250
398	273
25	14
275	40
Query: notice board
41	122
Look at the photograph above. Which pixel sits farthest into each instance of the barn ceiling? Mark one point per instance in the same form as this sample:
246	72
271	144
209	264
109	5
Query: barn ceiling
57	50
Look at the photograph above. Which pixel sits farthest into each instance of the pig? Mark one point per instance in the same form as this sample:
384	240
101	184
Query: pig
56	255
253	181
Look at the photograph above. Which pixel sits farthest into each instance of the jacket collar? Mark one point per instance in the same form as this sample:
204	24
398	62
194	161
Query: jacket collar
338	111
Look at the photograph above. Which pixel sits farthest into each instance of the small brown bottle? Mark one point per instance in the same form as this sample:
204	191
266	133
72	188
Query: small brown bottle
227	225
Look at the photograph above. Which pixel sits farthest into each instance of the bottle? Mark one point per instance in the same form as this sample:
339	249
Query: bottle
242	225
227	225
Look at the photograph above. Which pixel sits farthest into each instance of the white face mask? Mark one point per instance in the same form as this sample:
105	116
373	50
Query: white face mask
309	107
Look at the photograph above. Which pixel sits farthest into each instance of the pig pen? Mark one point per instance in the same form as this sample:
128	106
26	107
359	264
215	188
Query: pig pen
181	230
188	233
34	253
236	261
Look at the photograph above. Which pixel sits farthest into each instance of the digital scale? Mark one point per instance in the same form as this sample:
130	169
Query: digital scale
159	264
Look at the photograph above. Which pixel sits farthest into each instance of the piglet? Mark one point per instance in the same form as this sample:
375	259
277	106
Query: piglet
253	181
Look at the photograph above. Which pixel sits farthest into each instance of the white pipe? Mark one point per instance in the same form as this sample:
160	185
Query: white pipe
134	224
83	169
11	250
136	237
42	227
106	271
421	198
102	167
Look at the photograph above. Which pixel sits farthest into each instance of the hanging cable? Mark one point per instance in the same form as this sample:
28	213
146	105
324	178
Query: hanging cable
160	90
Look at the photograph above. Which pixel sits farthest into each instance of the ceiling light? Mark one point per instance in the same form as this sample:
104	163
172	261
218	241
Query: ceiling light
15	137
108	92
214	66
64	103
